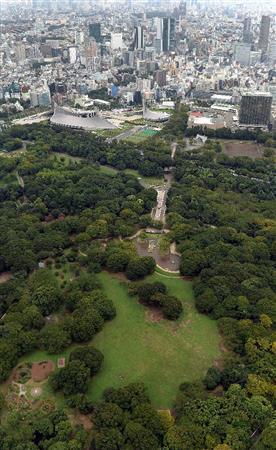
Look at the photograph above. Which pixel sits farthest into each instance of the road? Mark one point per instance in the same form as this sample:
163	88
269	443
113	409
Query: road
159	211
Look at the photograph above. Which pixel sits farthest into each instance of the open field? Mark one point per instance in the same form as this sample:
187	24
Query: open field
161	354
242	148
108	170
145	181
115	132
141	136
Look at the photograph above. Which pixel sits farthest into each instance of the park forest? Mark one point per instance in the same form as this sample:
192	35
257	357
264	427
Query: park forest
69	202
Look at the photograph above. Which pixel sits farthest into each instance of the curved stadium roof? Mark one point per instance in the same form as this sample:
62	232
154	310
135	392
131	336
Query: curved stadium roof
70	118
155	116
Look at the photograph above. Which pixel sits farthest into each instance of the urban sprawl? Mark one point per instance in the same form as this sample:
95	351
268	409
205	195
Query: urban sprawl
97	64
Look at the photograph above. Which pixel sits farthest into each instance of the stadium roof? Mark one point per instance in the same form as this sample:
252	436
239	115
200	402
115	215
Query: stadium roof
155	116
70	118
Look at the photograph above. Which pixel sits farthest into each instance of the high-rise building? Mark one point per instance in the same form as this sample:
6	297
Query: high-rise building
35	4
272	90
182	9
116	41
160	77
40	97
20	52
139	38
72	55
242	53
255	108
264	33
166	33
272	51
95	31
247	34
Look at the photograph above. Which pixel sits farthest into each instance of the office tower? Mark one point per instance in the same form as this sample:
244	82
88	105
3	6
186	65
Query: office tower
40	97
160	77
242	53
35	4
39	4
116	41
165	32
272	90
272	51
264	33
95	31
182	9
168	36
20	53
247	34
255	108
72	55
139	38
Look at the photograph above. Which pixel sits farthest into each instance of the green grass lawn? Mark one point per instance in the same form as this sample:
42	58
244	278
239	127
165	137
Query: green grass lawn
147	181
108	170
141	136
161	354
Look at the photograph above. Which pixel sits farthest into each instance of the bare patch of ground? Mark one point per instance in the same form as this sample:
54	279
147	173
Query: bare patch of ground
218	362
250	149
218	391
36	392
5	276
120	276
81	419
41	370
149	247
154	314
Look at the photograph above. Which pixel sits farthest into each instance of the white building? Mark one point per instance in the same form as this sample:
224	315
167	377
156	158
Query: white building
143	84
116	41
40	97
72	55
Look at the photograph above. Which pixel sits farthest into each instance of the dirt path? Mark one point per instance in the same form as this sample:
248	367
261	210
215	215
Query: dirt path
173	147
22	185
20	180
5	276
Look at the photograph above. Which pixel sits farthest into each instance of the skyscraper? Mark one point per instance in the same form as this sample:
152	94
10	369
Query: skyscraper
264	33
139	38
242	53
160	77
166	34
182	9
95	31
37	4
272	51
247	35
255	109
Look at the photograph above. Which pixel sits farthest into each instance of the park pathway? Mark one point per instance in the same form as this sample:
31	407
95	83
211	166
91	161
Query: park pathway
170	261
159	211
